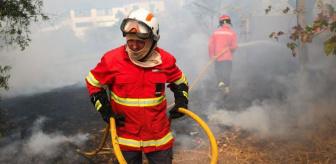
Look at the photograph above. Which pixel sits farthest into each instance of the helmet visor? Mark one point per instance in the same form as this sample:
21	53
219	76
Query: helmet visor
131	26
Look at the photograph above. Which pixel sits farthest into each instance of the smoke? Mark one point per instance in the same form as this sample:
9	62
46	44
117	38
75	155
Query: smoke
41	147
275	119
272	94
255	118
293	104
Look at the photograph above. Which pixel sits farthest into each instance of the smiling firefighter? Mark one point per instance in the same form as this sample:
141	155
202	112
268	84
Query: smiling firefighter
129	85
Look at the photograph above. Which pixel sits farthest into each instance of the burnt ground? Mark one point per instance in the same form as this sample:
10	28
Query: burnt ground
66	112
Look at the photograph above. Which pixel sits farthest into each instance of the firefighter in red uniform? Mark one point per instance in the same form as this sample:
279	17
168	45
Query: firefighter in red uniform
222	45
134	76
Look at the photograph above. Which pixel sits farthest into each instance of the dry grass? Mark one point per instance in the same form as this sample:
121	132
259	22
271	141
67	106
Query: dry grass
313	144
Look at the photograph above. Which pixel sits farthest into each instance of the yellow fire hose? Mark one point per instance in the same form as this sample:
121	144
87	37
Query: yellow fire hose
212	139
213	143
101	144
115	143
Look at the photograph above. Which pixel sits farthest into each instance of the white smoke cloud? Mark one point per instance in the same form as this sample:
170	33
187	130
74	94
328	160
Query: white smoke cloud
48	144
254	118
41	147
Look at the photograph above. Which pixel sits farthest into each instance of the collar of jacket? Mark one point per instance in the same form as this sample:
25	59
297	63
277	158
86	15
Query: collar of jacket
225	26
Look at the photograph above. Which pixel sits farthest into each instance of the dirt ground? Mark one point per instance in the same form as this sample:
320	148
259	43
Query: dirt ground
316	144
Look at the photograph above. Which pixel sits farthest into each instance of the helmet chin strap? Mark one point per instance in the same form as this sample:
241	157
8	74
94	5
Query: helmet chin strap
149	52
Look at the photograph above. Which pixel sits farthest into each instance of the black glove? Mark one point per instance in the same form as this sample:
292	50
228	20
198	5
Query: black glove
101	102
181	99
174	113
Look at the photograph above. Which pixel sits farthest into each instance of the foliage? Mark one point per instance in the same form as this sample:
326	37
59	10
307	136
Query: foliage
4	76
325	22
15	19
330	46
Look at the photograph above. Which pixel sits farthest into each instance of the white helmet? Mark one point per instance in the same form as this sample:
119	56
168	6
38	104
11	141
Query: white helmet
142	23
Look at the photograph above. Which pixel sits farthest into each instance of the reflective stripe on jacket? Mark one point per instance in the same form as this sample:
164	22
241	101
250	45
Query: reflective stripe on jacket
138	94
222	42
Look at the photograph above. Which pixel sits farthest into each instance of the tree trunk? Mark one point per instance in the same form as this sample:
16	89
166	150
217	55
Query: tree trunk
302	47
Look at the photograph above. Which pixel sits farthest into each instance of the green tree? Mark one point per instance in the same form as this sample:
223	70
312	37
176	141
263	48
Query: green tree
16	17
4	76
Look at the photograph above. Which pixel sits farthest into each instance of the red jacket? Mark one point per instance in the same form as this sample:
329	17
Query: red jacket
222	42
135	94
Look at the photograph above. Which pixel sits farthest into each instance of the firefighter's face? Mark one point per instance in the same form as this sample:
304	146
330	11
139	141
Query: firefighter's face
135	44
137	47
